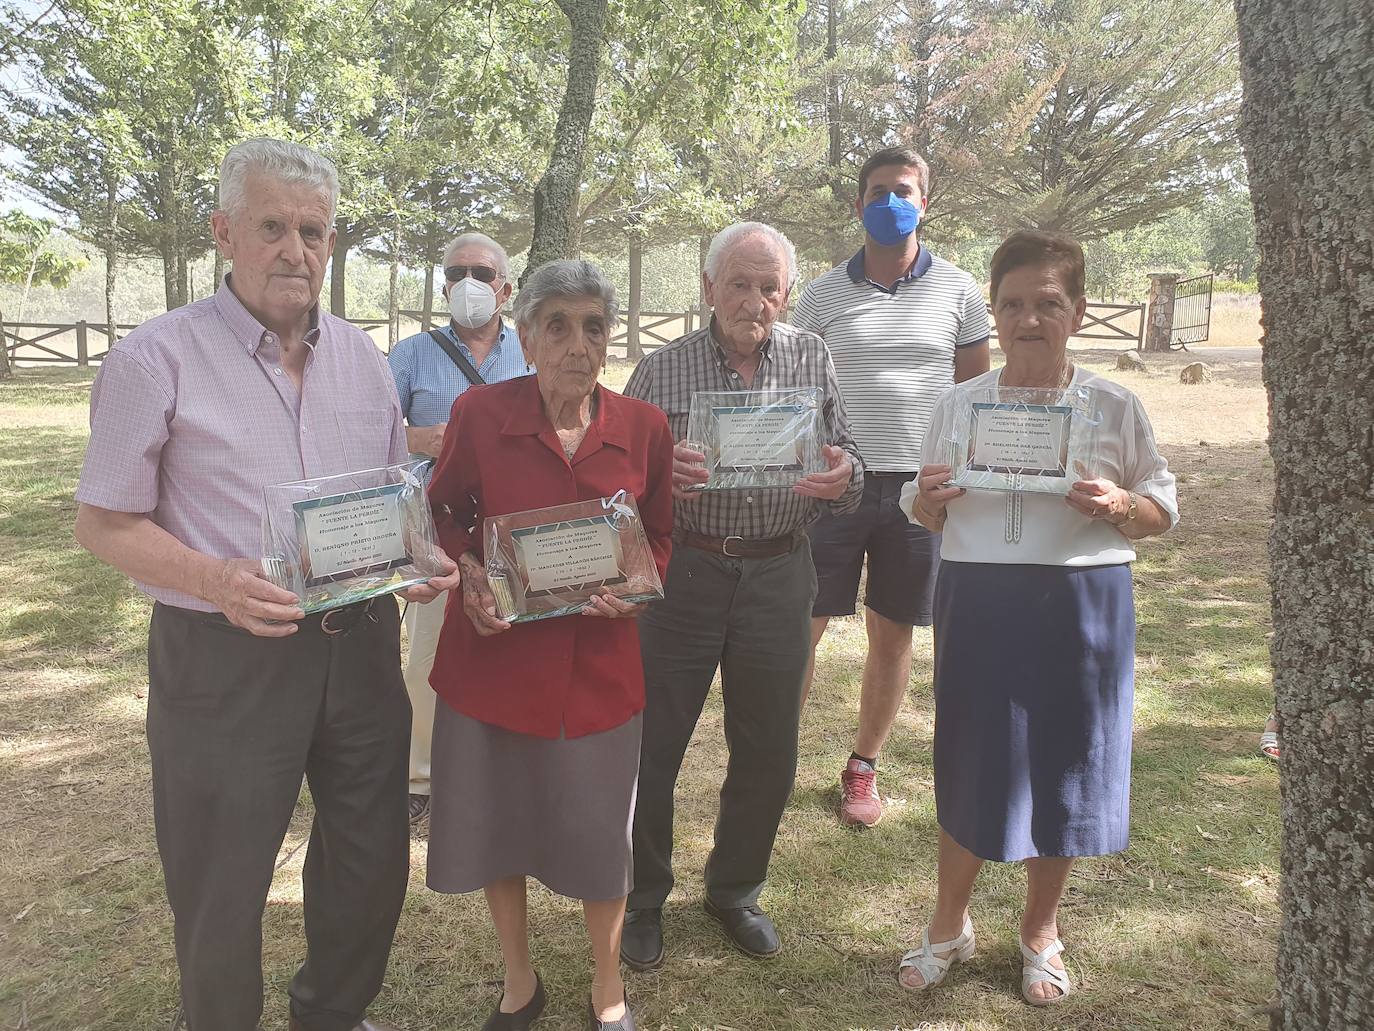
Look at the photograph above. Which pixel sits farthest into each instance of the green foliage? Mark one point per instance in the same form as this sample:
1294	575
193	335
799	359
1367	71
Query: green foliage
25	257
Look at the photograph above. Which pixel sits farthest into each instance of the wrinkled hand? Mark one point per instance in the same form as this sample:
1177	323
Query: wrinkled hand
932	496
435	585
434	439
689	469
611	607
239	588
829	485
1099	499
478	602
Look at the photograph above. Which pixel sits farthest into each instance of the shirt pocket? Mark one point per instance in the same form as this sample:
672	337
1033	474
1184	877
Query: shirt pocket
365	434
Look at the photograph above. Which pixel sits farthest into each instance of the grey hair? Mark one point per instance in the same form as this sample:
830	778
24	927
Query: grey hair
565	278
287	162
487	244
741	231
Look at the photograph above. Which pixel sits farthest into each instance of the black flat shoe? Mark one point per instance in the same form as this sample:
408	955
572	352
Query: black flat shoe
749	928
641	943
521	1018
625	1023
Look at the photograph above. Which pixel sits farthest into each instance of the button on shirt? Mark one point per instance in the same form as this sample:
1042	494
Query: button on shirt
192	415
893	347
792	358
428	382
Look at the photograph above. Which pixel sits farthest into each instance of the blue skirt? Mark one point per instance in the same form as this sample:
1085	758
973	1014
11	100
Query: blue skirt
1034	682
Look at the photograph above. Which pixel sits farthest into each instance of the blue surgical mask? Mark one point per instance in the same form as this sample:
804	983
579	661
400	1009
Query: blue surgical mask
891	220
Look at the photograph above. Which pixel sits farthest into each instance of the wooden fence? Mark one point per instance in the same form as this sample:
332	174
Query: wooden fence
82	343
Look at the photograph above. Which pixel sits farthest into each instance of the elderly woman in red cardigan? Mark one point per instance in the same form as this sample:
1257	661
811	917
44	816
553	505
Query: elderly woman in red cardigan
536	739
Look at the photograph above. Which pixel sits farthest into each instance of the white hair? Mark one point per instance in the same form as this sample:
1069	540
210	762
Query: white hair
286	162
738	233
486	243
565	278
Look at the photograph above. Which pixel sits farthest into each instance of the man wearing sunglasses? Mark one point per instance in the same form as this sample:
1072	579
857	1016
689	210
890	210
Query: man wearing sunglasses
431	369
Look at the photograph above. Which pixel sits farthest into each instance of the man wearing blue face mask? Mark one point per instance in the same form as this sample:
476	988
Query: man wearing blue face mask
431	369
901	325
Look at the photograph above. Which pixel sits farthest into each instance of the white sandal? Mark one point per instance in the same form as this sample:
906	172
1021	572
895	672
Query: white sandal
931	967
1269	745
1037	968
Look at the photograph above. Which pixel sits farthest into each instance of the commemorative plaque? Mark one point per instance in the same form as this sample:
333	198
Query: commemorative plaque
548	562
336	540
1022	438
757	438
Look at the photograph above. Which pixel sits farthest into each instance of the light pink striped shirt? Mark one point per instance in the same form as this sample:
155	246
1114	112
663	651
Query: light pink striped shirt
192	415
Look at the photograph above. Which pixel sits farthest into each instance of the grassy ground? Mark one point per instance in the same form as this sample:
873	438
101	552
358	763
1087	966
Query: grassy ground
1176	932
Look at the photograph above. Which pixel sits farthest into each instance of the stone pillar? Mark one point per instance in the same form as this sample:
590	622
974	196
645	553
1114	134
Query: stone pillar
1159	317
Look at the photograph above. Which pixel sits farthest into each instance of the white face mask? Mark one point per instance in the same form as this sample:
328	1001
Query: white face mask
472	303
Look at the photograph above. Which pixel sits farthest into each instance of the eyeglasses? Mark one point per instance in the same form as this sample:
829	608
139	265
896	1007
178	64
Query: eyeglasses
481	273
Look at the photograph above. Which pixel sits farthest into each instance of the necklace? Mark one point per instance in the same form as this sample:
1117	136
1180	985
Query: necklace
1012	523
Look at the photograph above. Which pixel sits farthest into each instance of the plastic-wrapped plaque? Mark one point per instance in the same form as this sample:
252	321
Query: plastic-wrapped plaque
1023	438
336	540
757	438
548	562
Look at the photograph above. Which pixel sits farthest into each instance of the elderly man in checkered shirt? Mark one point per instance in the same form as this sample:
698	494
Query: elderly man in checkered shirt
739	593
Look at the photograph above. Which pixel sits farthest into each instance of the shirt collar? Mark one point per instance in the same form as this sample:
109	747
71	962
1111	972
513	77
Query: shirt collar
506	335
527	416
765	348
244	325
858	276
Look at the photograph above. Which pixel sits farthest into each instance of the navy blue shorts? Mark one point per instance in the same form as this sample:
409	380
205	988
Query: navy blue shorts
903	557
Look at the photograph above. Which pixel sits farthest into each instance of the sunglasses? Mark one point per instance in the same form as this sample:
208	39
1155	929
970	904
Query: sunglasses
481	273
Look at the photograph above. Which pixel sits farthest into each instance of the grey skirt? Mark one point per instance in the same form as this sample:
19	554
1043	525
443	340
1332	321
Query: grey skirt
505	804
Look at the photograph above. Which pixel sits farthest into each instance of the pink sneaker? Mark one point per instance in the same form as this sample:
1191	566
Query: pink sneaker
860	805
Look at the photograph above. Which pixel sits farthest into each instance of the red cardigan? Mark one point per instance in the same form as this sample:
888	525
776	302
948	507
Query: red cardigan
577	674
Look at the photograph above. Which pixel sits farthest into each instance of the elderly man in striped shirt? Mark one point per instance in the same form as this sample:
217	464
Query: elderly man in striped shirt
902	325
432	369
739	592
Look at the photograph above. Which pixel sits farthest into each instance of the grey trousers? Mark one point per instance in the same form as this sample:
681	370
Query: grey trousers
234	722
752	618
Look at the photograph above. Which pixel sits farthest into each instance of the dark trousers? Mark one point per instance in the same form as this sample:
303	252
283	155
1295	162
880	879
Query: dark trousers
752	618
234	722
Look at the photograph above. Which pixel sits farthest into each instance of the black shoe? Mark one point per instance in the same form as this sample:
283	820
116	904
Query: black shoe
641	943
419	807
625	1023
521	1018
749	928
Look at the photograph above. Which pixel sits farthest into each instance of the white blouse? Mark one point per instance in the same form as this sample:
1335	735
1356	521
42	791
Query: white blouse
1052	533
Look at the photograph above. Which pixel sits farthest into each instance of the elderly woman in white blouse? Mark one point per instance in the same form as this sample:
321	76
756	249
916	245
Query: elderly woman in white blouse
1034	632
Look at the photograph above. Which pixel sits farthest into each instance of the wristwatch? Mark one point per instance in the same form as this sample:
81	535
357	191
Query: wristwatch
1130	512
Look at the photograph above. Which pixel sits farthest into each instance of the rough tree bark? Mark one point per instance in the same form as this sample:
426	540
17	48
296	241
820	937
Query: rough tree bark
835	155
1308	132
111	249
556	195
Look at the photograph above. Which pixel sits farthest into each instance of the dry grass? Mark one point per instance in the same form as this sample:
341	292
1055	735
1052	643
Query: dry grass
1176	932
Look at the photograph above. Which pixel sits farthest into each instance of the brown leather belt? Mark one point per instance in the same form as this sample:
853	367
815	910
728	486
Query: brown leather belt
741	547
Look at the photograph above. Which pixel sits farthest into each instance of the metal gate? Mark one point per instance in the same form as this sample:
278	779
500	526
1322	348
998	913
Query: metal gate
1192	312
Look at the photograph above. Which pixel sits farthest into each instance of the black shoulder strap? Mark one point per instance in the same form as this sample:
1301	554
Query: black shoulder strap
456	356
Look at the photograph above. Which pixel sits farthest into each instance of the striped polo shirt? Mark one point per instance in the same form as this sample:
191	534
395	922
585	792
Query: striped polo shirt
893	348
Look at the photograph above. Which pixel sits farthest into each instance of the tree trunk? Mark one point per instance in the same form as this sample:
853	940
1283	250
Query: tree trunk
555	196
169	272
337	265
427	301
633	349
703	309
1304	68
183	268
393	304
835	149
6	371
111	263
219	270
